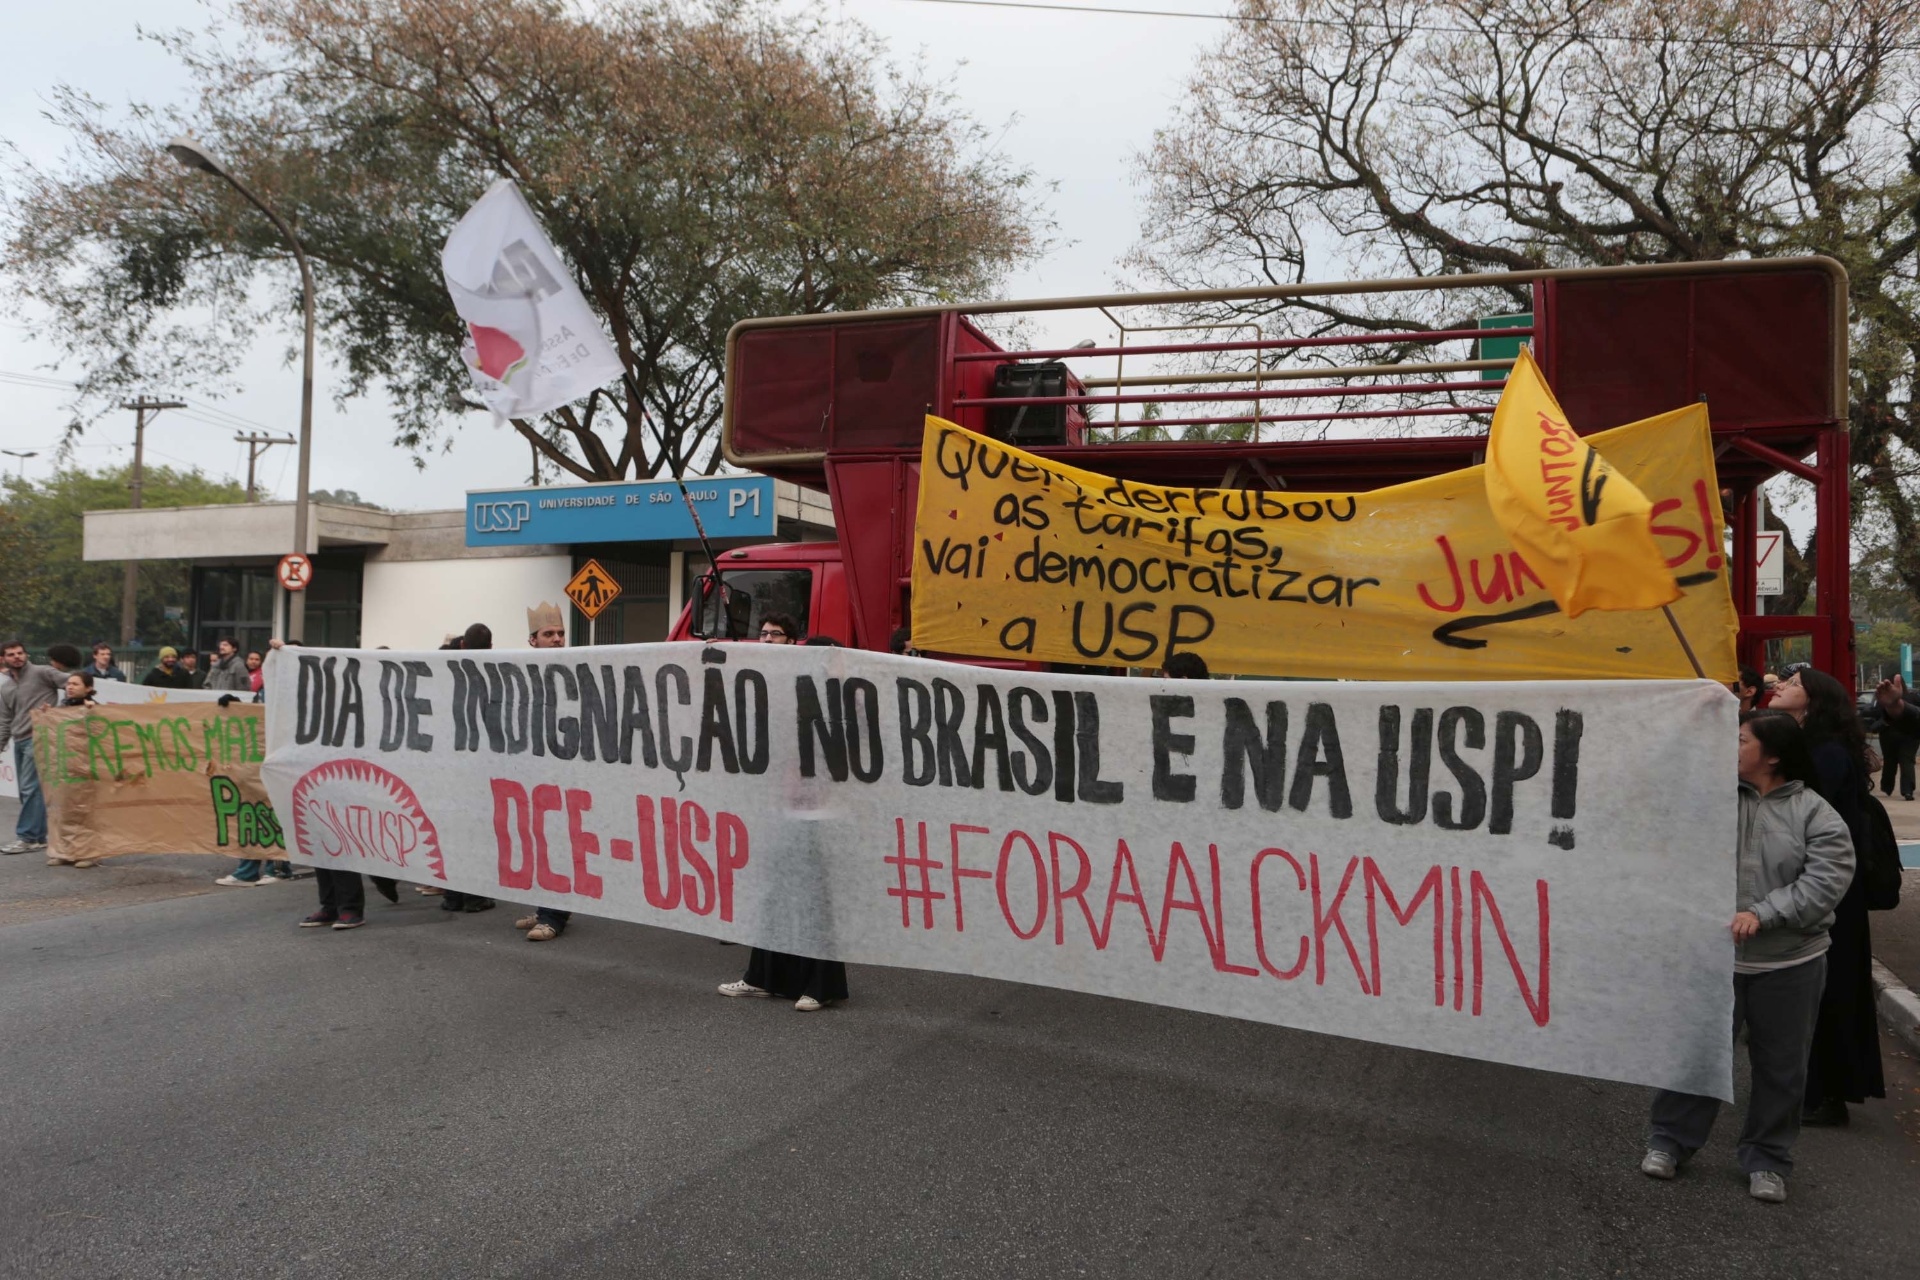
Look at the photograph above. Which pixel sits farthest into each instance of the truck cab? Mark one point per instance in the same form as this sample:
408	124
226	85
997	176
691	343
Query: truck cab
838	403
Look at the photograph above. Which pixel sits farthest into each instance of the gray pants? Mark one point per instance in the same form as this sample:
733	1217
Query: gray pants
1779	1009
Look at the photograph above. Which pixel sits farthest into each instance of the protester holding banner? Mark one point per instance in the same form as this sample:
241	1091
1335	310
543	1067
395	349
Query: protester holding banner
1845	1065
1795	861
477	636
79	690
30	687
811	984
546	629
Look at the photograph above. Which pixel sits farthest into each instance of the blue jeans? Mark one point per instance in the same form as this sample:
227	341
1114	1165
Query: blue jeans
32	826
252	869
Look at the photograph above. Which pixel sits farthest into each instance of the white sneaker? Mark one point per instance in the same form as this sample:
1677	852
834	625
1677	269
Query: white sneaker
267	879
1660	1164
22	846
741	988
232	882
1767	1185
807	1004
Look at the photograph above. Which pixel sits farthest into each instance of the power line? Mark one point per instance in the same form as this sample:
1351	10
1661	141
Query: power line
1732	42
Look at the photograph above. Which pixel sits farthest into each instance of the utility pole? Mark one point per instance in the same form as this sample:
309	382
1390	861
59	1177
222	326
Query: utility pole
258	444
130	583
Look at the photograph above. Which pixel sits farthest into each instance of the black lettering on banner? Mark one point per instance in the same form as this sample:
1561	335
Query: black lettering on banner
1386	788
827	727
1092	788
750	723
715	728
537	710
599	714
916	724
393	719
484	699
1022	644
1148	641
949	711
1567	729
563	732
1243	750
517	704
352	707
682	760
418	708
1024	704
1176	637
1064	766
636	717
860	704
1319	757
990	734
1168	785
1508	725
458	704
308	722
1473	791
1106	629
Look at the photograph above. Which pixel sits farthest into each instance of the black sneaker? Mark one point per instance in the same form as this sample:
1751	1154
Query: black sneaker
318	920
348	920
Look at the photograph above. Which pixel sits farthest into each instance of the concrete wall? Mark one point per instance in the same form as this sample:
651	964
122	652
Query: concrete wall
416	604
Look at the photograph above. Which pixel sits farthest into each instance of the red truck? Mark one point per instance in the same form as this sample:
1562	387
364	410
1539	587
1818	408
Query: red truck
837	402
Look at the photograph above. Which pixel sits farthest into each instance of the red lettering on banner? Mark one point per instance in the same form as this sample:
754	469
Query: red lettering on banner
1259	928
698	889
730	844
1177	864
1331	919
959	872
584	843
1539	1008
1123	856
546	800
1432	884
1220	960
511	796
1459	968
926	895
1000	886
1078	892
1453	572
659	873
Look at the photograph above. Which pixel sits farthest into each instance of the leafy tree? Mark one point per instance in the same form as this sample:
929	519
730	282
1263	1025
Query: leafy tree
1439	137
50	594
695	164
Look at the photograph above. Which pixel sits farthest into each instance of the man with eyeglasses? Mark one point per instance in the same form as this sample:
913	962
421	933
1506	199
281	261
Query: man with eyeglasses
778	628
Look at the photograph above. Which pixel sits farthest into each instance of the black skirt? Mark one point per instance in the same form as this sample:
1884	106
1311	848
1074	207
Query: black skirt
791	977
1844	1062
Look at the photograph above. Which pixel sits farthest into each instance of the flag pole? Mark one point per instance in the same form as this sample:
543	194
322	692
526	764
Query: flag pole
1681	636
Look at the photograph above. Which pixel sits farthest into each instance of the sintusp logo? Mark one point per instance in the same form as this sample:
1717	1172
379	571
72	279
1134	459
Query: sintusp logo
501	517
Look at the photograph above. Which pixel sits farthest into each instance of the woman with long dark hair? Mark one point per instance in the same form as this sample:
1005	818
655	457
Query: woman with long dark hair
1793	863
1845	1065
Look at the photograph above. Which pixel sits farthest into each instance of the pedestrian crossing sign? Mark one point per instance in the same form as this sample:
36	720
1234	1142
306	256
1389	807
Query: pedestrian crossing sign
592	589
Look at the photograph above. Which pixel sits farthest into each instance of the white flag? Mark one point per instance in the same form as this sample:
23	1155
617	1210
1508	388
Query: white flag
533	343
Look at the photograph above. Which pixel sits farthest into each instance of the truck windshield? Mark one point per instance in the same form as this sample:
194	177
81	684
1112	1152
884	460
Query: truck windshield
752	594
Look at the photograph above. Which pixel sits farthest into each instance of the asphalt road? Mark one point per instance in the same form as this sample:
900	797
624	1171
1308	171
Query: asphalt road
190	1086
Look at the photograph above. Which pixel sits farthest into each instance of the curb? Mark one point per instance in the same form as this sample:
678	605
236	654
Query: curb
1898	1005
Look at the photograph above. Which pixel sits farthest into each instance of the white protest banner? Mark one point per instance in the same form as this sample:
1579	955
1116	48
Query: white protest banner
9	785
1537	873
533	343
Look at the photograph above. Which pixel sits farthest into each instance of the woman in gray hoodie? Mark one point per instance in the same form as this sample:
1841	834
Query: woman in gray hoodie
1795	862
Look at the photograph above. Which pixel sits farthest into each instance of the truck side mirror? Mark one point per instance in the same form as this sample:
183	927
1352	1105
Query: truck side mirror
712	609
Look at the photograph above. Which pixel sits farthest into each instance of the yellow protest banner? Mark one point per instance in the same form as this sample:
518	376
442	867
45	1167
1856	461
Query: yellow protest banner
1017	557
1583	527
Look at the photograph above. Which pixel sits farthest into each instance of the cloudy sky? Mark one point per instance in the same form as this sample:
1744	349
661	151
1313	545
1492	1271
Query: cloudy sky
1073	96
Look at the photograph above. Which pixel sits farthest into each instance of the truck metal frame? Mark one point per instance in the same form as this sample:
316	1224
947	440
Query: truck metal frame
837	401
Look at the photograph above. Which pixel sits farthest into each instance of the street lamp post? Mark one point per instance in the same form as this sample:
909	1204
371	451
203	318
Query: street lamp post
195	156
20	468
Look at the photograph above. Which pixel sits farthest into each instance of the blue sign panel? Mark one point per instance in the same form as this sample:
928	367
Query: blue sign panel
651	511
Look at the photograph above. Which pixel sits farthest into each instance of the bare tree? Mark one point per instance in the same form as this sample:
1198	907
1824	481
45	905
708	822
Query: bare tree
696	164
1439	137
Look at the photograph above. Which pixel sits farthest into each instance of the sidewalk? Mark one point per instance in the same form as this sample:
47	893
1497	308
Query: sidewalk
1896	933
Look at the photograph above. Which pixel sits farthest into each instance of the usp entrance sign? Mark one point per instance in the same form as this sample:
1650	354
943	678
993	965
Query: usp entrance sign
651	511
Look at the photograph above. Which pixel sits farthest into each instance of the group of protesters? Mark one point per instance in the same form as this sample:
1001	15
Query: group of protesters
1803	990
1803	954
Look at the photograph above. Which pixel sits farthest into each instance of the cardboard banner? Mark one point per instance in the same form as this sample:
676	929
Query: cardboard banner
178	777
1533	873
1017	557
120	693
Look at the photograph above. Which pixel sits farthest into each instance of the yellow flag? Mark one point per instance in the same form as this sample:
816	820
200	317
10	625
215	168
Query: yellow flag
1584	529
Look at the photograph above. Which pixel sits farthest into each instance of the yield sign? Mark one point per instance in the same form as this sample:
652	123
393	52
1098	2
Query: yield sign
1769	565
592	589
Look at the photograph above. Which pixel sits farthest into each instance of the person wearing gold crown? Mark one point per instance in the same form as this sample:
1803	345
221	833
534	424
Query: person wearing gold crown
546	629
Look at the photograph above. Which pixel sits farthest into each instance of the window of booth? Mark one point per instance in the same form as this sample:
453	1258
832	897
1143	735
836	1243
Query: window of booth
233	602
